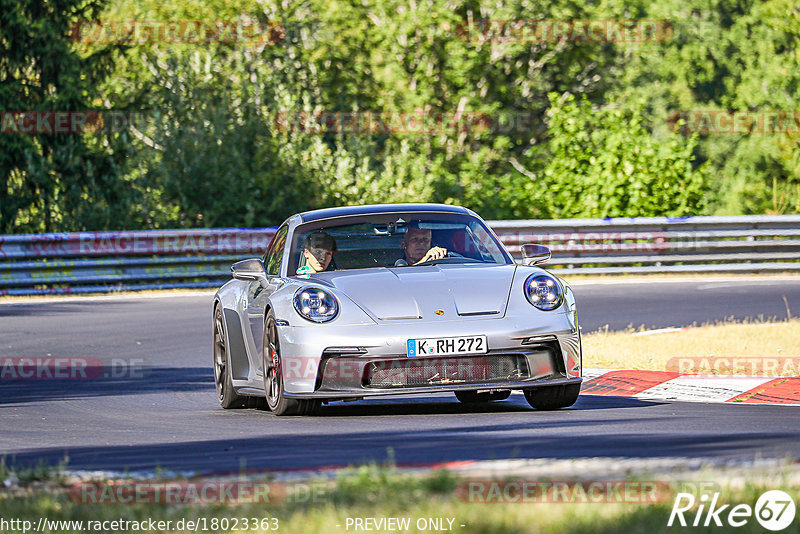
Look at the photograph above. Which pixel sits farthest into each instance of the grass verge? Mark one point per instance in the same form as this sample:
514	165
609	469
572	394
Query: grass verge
429	502
748	348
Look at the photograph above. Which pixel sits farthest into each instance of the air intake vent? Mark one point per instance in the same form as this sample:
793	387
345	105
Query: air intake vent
416	372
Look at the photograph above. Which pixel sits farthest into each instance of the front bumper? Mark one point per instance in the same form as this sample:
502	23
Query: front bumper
536	383
371	360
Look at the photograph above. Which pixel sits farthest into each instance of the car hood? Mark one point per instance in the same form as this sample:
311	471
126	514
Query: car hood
439	292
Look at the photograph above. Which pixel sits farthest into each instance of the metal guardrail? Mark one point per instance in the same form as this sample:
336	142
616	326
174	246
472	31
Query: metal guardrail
88	262
91	262
750	243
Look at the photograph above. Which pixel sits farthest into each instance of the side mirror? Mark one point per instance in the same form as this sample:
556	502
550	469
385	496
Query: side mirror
535	254
250	270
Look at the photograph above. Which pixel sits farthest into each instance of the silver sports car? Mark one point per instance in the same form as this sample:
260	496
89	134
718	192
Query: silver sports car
360	301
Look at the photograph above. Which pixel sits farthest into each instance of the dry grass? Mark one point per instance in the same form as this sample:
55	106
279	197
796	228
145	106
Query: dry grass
729	348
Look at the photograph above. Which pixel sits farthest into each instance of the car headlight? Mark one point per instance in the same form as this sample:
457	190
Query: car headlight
315	304
544	292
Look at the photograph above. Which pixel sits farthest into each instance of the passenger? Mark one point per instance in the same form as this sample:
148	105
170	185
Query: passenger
318	253
417	248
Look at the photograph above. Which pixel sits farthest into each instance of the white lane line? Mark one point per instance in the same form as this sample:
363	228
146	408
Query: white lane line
658	331
671	329
703	389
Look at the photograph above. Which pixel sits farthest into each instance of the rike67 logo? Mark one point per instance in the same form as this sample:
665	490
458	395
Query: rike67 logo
774	510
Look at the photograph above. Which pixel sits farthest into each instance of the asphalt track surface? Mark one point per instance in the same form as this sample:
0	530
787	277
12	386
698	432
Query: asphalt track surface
164	413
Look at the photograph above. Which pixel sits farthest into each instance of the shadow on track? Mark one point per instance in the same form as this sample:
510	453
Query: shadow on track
144	380
299	451
511	431
35	309
388	406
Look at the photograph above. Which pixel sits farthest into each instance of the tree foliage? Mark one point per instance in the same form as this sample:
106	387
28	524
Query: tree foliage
556	128
50	182
604	163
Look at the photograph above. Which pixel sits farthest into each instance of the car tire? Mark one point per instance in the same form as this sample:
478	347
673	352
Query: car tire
276	400
553	397
473	397
227	396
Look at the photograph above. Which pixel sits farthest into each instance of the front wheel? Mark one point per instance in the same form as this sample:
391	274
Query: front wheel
473	397
277	401
553	397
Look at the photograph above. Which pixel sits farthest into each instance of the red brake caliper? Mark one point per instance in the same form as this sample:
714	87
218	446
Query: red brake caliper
275	360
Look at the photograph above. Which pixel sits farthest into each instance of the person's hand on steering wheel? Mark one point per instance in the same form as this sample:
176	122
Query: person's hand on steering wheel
434	253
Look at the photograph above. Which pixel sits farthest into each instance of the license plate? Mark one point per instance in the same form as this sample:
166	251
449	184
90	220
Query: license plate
442	346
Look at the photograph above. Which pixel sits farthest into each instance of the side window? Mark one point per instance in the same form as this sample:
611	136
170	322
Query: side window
272	259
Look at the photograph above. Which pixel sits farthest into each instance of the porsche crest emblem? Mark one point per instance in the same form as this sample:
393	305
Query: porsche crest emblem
438	312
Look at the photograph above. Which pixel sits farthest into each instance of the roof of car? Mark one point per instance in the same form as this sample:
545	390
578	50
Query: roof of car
373	209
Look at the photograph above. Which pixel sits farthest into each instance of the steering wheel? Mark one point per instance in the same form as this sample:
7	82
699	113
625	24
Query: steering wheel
448	255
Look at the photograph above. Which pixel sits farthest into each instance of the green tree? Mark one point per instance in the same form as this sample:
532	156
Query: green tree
55	181
733	56
216	138
604	163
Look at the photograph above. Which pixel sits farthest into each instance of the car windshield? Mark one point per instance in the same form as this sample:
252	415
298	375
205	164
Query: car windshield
401	240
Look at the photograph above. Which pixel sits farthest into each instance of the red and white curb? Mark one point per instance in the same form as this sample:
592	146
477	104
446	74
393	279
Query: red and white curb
666	385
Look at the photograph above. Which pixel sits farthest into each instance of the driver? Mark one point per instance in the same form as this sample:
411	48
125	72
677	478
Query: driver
318	253
417	248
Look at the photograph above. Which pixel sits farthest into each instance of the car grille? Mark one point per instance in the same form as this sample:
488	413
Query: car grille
419	372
